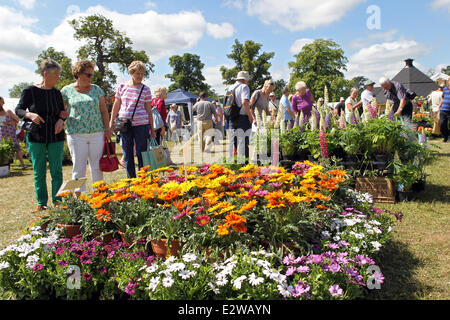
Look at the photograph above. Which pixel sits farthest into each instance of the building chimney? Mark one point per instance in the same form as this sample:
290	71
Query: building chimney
409	62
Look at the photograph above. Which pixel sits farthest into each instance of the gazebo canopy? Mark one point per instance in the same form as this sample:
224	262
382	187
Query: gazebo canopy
180	96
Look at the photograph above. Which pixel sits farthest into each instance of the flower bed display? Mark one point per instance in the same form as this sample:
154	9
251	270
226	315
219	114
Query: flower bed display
257	233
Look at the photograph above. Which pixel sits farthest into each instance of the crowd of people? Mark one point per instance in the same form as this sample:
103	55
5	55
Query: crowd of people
78	113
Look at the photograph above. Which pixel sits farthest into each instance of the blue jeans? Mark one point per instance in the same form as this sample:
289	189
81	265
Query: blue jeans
138	135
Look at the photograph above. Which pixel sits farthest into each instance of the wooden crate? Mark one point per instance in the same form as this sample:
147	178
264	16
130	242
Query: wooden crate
382	189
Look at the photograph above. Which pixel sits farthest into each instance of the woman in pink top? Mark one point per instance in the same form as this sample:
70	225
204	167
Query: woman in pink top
302	100
158	102
125	103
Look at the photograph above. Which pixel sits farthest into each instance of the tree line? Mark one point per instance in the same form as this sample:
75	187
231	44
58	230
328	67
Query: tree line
319	64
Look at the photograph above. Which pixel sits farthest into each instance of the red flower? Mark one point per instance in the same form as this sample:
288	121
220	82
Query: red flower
202	220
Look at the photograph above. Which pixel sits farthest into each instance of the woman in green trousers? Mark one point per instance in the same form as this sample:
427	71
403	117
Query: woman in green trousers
42	105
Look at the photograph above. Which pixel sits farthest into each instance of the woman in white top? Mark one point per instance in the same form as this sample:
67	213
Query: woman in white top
351	104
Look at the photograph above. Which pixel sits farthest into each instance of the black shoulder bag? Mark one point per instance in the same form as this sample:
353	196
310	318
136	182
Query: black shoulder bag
123	124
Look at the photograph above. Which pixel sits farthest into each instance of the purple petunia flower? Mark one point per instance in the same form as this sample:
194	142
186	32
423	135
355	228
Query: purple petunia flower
151	259
290	271
336	291
130	288
89	253
334	268
111	254
303	269
300	289
333	246
102	270
287	260
343	243
378	277
87	276
60	251
314	258
85	260
38	267
62	263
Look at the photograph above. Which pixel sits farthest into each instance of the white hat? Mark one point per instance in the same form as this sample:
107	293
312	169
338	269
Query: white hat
243	75
342	99
271	94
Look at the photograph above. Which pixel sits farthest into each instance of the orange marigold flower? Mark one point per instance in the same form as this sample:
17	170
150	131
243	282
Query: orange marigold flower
249	205
338	173
169	196
321	207
222	230
180	205
64	194
239	227
233	218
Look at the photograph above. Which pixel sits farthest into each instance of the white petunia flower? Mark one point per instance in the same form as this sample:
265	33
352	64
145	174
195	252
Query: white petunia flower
152	268
196	265
325	234
176	267
185	274
221	282
4	265
376	245
238	282
167	282
355	249
153	283
390	229
169	260
285	290
336	238
254	281
189	257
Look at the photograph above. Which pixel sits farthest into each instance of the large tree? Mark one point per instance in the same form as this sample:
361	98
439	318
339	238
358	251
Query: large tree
106	45
16	90
187	74
247	57
65	62
321	64
446	70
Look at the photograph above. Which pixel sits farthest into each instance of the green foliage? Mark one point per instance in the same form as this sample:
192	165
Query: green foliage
247	57
16	90
187	73
320	64
279	86
6	151
65	62
106	45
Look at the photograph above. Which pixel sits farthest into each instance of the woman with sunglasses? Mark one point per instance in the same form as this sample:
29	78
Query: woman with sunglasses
87	124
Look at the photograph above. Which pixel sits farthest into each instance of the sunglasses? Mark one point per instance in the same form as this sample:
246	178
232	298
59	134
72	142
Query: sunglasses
89	75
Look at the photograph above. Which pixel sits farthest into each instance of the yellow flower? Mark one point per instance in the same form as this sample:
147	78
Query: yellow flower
98	183
248	167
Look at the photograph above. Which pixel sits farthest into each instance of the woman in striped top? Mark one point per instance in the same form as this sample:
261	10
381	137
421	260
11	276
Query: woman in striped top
127	95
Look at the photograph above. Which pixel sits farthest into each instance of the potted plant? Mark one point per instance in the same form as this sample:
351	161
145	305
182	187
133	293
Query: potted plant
6	155
69	214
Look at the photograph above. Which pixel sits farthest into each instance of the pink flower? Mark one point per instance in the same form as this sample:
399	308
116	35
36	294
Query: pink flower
336	291
202	220
323	144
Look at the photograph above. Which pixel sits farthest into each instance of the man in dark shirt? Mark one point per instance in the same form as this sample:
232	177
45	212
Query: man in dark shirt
339	107
396	92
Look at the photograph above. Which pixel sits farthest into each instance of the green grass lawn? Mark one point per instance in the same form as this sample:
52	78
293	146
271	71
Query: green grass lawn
415	265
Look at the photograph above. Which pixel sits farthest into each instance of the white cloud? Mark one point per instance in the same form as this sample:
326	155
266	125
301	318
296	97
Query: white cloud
14	74
384	59
280	73
224	30
373	37
300	15
160	35
236	4
27	4
439	4
213	77
299	44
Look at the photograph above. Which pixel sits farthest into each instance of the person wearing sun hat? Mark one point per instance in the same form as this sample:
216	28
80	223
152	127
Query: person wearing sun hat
244	122
367	95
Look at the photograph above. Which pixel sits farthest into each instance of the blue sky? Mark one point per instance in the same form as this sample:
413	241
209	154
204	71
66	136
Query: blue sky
416	29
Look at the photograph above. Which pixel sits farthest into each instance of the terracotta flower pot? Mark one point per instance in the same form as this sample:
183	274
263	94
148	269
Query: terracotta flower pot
106	239
159	247
70	230
124	240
